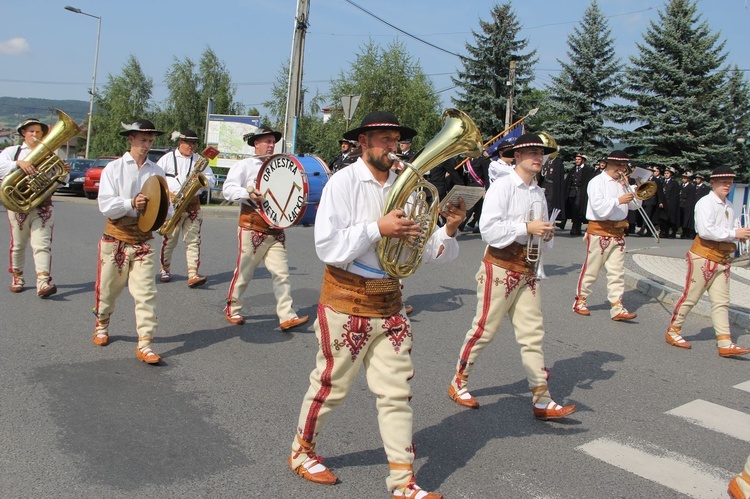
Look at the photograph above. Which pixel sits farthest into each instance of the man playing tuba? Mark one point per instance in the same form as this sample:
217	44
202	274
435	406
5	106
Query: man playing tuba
178	165
34	227
361	318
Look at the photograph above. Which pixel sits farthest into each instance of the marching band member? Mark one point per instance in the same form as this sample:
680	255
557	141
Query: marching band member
500	166
34	227
507	282
126	254
258	242
609	200
708	264
361	319
739	487
178	165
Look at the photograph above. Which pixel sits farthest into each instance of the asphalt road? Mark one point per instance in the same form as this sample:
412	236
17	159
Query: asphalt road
217	418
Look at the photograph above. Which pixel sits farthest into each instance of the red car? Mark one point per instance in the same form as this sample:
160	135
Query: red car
93	174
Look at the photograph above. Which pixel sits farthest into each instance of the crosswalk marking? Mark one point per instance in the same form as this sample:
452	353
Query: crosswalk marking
678	472
715	417
743	386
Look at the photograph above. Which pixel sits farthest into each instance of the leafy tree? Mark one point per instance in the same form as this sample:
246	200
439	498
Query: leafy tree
738	115
483	91
183	109
214	81
579	95
124	98
386	79
677	92
190	86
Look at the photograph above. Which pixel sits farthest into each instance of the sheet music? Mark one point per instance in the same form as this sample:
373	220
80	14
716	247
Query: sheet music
471	196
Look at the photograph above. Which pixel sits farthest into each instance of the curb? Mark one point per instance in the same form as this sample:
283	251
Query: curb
669	296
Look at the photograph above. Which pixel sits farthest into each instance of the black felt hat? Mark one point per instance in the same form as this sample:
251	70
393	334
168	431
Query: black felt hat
380	120
618	155
142	125
527	140
251	137
32	121
723	172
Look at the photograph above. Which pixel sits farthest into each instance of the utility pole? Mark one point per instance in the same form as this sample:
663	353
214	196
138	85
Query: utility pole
512	84
293	97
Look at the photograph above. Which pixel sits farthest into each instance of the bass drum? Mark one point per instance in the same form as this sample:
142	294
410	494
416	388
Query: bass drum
291	187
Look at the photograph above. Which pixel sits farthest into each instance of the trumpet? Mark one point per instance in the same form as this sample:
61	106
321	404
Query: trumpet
534	243
643	191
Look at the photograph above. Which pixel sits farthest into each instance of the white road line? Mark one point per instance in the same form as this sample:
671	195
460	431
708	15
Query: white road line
743	386
676	471
715	417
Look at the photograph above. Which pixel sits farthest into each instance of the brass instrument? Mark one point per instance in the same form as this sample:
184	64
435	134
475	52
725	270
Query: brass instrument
549	141
21	192
500	135
534	243
643	191
401	257
193	183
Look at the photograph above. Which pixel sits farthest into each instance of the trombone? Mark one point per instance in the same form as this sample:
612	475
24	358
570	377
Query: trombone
643	191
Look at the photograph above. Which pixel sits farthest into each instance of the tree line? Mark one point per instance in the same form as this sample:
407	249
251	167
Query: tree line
677	102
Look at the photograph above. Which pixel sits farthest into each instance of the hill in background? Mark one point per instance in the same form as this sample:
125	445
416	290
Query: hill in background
14	110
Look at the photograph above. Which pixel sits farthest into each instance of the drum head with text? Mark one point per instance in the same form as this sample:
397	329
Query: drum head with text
283	184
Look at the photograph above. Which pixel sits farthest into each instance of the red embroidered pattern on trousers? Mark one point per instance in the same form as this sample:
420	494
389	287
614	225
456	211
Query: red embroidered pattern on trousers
356	333
398	329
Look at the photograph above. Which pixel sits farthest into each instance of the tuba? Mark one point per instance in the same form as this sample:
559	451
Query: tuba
22	193
195	181
401	257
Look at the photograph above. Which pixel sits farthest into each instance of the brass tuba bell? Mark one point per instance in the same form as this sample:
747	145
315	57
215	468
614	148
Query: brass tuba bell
22	193
401	257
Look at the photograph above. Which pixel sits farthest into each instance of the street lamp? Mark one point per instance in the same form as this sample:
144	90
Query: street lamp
93	78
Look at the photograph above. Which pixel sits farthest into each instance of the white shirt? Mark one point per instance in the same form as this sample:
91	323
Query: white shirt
241	175
506	209
122	181
346	228
185	165
8	164
603	192
714	218
497	169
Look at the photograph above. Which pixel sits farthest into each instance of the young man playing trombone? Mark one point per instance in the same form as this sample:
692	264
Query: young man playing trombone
508	282
178	165
708	264
609	199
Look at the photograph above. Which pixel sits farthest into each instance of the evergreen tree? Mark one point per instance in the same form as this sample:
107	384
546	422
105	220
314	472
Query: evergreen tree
483	91
123	99
581	92
678	92
738	115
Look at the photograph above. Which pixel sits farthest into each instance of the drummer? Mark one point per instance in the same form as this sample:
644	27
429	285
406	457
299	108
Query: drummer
257	240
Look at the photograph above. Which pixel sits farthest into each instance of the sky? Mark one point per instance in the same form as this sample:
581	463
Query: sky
48	52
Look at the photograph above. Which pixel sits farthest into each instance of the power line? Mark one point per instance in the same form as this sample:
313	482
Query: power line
401	30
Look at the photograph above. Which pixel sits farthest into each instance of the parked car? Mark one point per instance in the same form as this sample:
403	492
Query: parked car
78	167
93	174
